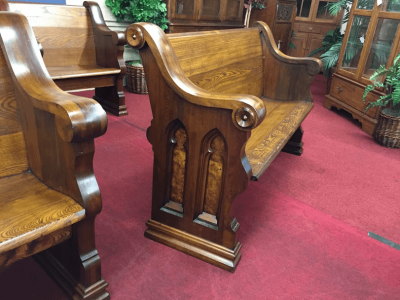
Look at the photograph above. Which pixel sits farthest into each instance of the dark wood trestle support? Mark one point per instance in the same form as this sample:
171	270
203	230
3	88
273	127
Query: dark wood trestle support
79	50
49	196
224	104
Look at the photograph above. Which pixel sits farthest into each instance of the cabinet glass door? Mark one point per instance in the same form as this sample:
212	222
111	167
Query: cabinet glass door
381	46
355	43
322	11
391	5
376	29
303	8
365	4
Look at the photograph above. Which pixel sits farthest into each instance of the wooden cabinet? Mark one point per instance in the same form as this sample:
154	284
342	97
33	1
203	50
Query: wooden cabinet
312	23
199	15
279	16
372	39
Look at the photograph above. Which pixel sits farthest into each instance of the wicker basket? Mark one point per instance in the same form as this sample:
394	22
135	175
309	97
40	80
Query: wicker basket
135	80
387	131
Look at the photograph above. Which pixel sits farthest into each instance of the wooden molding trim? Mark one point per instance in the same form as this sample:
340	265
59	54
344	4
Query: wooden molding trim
207	251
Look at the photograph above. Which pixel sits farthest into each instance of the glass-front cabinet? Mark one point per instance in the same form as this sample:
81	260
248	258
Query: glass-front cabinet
194	15
371	40
312	23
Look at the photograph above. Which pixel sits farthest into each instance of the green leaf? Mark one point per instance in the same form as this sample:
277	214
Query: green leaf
153	11
396	59
368	88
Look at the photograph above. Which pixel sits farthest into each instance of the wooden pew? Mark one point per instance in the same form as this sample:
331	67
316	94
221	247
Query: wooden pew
79	50
224	104
49	196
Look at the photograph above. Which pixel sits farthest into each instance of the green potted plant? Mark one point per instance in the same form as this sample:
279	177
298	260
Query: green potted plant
153	11
387	130
330	49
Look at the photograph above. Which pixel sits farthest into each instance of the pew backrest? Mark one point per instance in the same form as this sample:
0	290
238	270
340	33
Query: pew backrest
65	32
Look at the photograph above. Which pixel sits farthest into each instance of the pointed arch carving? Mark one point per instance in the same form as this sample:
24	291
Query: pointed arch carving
212	169
176	167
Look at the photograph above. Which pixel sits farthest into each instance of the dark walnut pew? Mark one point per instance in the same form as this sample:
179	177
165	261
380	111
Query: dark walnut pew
224	104
79	50
49	196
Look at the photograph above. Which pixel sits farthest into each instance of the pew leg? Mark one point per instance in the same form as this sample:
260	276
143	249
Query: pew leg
75	264
112	98
294	145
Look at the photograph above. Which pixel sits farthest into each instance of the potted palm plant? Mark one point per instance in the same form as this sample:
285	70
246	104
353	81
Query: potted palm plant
153	11
387	130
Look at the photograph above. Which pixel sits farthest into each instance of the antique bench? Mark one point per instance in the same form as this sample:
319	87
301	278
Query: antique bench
79	50
224	104
49	196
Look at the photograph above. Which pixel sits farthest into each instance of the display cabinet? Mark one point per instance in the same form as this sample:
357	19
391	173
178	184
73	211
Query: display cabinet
279	15
198	15
312	23
371	39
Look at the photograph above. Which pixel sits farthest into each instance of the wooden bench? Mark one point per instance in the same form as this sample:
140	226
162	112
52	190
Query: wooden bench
49	196
224	104
79	50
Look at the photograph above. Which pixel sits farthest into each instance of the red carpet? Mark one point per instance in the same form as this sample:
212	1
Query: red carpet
303	226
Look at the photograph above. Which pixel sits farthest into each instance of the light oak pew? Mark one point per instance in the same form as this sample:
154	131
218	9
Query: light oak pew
49	196
79	50
224	104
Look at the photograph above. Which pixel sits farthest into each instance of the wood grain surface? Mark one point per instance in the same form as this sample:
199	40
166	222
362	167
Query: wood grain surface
36	246
80	49
227	72
49	196
240	101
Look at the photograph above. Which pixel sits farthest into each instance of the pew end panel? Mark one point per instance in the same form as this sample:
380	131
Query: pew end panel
109	54
208	97
292	76
49	194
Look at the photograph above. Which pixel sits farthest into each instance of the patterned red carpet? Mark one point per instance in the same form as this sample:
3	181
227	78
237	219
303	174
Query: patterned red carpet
304	226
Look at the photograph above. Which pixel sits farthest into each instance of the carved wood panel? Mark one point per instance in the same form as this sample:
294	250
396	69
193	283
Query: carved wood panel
177	157
284	12
213	167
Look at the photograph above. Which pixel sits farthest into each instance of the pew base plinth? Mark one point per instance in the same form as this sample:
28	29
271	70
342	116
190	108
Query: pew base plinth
68	283
202	249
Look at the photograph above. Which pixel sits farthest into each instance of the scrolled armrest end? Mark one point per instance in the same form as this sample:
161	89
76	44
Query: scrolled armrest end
249	116
314	66
134	36
84	123
119	38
